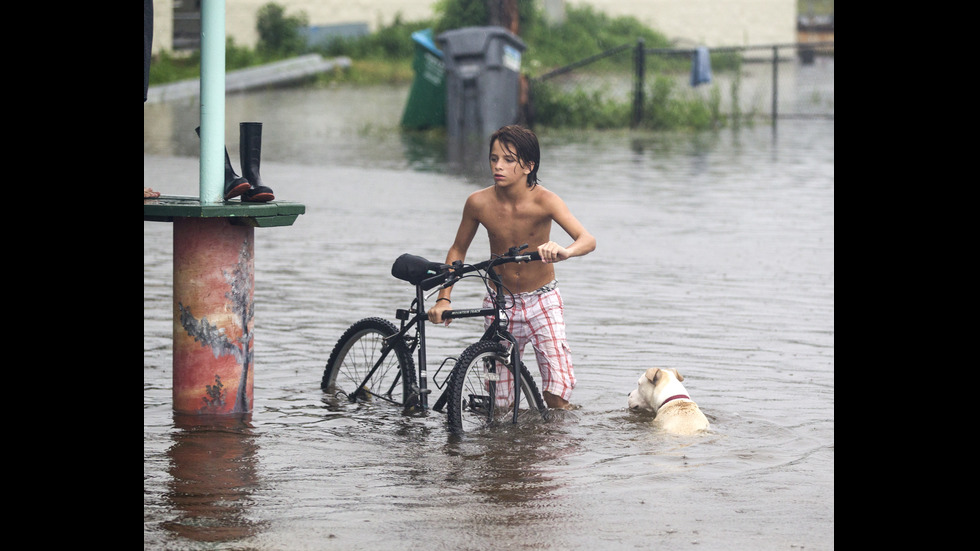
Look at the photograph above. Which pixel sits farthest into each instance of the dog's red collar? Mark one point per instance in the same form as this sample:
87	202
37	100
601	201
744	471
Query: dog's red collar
674	397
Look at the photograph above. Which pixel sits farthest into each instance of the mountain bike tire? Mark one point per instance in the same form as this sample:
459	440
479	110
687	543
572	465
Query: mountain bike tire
473	382
356	352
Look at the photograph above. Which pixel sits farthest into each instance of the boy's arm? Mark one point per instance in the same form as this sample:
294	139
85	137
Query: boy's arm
468	226
583	242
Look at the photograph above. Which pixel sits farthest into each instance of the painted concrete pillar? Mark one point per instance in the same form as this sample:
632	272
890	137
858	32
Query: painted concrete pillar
214	284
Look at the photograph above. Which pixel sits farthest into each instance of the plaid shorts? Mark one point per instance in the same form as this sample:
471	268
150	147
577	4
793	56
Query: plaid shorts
537	317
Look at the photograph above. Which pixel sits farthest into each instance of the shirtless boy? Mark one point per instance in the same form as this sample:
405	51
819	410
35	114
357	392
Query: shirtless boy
514	211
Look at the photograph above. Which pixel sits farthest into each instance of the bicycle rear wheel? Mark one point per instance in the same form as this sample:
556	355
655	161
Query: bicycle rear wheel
366	364
481	389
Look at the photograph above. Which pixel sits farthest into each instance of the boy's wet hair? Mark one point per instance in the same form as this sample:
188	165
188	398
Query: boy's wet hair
524	144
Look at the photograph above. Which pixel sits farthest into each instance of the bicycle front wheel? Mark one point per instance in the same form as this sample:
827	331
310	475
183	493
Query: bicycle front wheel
481	389
367	364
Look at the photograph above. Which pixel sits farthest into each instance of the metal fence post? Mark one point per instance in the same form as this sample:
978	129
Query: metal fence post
775	84
639	58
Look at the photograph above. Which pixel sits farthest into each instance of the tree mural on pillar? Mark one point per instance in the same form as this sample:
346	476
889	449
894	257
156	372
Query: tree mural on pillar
213	337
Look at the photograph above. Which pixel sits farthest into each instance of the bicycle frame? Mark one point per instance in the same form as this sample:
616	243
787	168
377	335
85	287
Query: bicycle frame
417	316
497	330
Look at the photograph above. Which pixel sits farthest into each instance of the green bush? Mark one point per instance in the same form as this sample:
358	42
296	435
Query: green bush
577	109
455	14
168	68
666	108
280	35
585	33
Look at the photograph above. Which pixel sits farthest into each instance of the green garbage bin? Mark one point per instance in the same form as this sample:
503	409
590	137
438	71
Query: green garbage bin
426	106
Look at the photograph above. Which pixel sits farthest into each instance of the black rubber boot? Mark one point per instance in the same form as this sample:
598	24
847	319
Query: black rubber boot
250	145
235	185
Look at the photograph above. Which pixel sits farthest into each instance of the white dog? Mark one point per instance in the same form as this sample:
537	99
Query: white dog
661	391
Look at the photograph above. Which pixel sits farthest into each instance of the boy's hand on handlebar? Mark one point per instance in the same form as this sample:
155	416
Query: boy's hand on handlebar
552	252
435	313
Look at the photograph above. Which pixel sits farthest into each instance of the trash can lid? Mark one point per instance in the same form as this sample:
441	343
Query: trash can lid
424	38
474	40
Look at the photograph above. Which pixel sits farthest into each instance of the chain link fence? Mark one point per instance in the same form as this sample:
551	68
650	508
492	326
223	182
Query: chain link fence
660	88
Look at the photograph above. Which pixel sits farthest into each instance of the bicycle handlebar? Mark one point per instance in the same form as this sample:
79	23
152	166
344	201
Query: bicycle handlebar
419	271
459	269
468	313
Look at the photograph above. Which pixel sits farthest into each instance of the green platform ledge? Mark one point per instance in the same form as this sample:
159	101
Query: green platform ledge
258	215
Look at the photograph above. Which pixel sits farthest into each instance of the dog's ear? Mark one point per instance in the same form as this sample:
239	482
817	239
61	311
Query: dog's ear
677	374
653	374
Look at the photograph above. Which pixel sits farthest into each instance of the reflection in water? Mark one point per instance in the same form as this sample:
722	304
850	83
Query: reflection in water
507	466
515	480
213	465
425	151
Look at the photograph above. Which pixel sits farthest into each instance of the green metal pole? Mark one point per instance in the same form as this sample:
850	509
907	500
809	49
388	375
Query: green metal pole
212	101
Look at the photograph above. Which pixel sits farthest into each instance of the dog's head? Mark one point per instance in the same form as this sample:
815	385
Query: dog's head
655	386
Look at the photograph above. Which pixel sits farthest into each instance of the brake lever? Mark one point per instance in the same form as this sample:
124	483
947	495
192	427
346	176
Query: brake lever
452	277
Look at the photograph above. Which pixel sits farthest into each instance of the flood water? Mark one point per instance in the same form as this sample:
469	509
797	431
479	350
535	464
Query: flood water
715	256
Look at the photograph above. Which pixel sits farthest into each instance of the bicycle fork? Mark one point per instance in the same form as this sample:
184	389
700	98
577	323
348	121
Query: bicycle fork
515	370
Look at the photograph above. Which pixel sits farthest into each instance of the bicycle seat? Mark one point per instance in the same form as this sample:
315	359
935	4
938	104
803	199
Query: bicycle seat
416	270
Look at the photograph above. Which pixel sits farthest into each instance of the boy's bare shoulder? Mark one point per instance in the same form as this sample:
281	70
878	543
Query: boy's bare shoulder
544	192
547	197
480	196
478	203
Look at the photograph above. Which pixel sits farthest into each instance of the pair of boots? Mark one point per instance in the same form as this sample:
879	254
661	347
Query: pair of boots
249	186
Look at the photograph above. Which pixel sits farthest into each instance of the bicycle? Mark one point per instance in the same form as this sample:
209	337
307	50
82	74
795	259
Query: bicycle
373	359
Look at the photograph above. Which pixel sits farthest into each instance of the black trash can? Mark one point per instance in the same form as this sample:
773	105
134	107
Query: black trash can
483	67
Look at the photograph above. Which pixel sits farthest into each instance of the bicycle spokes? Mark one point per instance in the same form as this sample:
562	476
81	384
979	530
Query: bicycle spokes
365	393
479	404
500	382
367	364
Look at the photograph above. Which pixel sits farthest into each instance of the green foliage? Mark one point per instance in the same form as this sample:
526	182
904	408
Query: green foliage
577	109
280	35
386	57
169	68
240	57
455	14
666	107
585	33
661	109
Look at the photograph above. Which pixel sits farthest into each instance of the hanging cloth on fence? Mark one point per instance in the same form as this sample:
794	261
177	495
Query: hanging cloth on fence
701	67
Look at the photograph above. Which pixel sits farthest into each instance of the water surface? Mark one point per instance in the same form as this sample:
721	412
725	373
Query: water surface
715	256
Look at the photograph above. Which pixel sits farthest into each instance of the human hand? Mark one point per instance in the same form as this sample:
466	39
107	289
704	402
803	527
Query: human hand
435	313
552	252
